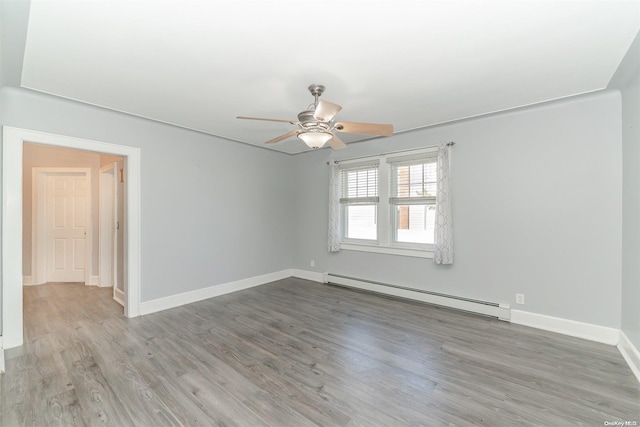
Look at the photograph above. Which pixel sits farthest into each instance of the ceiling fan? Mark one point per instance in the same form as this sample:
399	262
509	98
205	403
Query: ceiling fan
316	124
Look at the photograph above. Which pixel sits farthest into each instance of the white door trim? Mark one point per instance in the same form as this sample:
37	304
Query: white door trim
12	148
107	235
38	245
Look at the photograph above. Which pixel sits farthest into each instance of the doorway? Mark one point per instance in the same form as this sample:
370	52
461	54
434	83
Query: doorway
12	217
61	228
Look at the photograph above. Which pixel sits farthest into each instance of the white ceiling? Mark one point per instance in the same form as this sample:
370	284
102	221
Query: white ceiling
199	64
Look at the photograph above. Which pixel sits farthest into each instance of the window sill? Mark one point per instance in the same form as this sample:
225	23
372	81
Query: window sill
417	253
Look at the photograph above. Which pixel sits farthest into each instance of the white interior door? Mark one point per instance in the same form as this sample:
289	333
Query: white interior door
66	222
109	230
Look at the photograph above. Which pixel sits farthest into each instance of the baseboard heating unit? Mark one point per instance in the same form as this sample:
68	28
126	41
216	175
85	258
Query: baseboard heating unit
501	311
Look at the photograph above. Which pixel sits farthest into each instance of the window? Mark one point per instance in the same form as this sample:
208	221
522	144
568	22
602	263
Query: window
359	198
413	201
388	203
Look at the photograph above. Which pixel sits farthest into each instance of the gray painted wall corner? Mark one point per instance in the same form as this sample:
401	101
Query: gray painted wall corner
627	81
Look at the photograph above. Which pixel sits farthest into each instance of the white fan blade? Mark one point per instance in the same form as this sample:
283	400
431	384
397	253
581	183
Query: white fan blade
326	111
336	143
283	137
365	128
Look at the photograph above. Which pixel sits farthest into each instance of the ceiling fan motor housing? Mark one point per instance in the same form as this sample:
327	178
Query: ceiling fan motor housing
307	120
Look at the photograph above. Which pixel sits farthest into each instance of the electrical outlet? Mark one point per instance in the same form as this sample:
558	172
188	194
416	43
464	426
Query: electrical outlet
519	298
313	263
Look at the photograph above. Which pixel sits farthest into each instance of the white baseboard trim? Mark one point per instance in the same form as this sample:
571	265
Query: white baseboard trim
308	275
26	281
630	354
153	306
1	357
118	296
94	281
588	331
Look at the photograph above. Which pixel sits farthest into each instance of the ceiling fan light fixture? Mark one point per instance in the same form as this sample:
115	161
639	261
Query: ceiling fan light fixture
315	139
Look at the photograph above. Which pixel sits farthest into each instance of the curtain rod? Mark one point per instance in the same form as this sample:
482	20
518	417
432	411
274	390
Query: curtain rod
448	144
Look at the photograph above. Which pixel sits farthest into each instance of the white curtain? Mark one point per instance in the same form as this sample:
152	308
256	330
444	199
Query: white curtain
443	251
334	208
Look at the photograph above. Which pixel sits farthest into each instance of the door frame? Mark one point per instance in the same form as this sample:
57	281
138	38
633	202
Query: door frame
108	237
12	170
38	241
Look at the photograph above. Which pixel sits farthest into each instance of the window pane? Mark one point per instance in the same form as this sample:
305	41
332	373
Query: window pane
357	183
361	222
415	223
417	180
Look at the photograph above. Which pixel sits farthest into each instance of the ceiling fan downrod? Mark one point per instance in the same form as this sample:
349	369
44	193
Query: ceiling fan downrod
316	91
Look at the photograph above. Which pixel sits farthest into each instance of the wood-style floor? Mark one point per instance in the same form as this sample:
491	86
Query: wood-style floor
298	353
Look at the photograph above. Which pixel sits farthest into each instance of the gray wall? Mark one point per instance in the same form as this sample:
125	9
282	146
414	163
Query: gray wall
213	211
537	210
627	80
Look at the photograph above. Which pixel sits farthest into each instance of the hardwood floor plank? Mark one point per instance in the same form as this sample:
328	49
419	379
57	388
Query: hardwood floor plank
298	353
99	402
235	354
62	410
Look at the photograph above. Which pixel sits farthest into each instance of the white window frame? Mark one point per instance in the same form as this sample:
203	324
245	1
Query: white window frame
385	243
356	165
